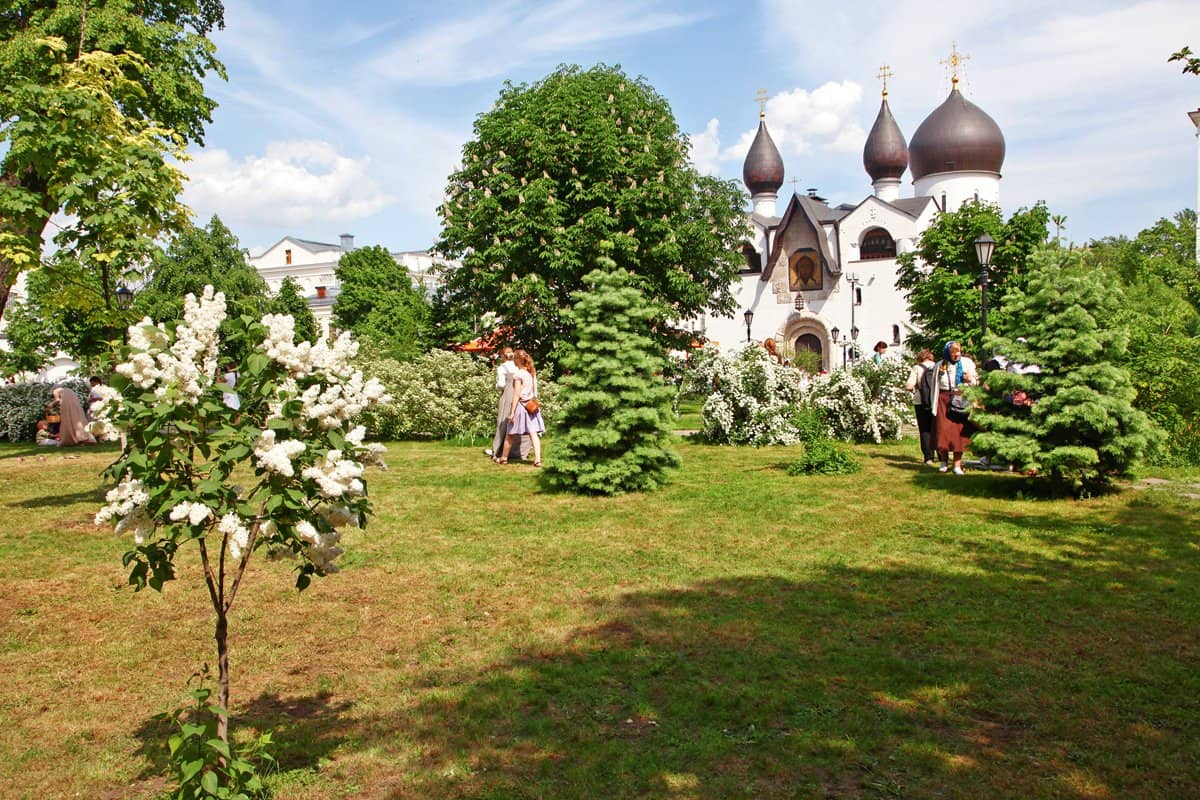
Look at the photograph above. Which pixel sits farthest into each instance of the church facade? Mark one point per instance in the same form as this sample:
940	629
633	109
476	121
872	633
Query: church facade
823	278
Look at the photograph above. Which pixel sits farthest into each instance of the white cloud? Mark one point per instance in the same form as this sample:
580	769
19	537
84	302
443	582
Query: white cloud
706	149
505	37
800	122
294	183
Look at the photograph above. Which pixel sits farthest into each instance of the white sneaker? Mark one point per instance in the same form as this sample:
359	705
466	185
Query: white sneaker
958	470
931	463
487	451
944	468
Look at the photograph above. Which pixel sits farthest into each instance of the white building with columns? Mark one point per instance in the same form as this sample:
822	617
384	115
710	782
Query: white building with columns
812	270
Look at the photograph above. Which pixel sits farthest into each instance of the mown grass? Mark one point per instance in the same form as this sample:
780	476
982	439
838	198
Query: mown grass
738	634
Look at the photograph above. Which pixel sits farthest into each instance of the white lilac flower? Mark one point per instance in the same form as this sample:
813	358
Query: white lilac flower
194	513
276	456
239	535
321	548
123	500
336	476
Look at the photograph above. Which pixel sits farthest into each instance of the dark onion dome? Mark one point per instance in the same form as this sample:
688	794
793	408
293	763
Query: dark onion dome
885	154
958	136
763	170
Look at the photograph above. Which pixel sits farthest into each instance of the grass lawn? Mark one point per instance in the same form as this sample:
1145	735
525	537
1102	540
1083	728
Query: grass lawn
738	634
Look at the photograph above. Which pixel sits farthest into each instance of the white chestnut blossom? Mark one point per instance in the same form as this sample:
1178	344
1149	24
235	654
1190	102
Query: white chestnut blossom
277	456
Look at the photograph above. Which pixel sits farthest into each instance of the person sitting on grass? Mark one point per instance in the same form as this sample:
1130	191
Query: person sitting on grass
44	437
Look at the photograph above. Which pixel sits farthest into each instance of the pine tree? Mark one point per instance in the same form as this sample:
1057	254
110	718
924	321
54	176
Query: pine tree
1081	429
288	301
616	408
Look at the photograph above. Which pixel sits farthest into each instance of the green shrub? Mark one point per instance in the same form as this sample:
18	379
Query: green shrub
23	404
825	457
441	394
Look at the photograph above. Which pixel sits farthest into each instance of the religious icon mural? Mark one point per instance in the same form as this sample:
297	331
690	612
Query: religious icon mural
804	271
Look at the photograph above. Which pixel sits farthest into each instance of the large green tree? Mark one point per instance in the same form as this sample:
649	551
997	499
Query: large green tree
199	257
1157	272
557	167
98	97
941	276
288	300
63	309
378	300
616	408
1081	430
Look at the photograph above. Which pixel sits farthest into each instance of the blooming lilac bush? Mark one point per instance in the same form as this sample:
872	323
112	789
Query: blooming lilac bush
295	434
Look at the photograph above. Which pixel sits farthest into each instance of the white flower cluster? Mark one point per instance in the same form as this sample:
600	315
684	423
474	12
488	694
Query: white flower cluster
866	403
336	476
184	368
321	548
127	502
104	410
239	535
194	513
333	359
277	456
333	404
750	397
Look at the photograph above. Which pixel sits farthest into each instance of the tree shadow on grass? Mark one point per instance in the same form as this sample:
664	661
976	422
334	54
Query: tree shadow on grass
307	730
1022	677
93	496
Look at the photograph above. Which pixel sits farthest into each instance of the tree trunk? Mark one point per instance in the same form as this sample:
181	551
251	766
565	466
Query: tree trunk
28	226
223	676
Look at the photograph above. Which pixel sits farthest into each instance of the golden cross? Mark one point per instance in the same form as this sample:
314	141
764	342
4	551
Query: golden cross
954	63
762	97
795	185
885	72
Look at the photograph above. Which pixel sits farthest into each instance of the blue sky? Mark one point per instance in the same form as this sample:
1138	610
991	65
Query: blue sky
347	117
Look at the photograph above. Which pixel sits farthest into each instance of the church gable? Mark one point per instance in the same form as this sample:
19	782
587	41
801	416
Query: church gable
874	229
800	259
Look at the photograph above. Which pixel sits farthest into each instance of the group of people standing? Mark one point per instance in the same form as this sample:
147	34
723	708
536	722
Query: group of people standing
518	412
944	430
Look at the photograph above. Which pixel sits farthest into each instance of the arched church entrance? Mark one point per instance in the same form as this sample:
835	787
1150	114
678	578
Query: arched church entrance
808	343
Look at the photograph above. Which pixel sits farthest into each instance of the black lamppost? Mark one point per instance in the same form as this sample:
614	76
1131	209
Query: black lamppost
984	247
124	297
749	317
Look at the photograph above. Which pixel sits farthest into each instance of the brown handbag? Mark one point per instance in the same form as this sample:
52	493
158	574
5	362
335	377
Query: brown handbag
532	405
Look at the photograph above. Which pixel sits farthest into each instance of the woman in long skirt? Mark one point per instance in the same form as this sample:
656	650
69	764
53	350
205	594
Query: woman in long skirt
954	370
520	420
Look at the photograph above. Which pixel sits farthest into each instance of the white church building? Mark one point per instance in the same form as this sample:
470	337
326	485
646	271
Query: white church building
823	278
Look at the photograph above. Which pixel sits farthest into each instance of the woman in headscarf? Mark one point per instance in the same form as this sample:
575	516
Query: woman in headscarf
73	428
954	371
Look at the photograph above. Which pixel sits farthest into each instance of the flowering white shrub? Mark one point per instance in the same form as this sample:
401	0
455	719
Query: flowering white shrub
295	433
751	399
866	403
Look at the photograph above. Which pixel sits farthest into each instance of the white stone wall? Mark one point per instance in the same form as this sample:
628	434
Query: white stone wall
959	187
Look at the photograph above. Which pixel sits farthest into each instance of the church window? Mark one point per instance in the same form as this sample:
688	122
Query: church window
753	261
895	334
287	256
877	243
804	271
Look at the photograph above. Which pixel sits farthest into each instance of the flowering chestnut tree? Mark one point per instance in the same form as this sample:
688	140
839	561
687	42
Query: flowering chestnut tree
284	472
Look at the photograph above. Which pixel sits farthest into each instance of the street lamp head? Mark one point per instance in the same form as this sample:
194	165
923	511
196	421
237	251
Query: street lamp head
854	333
748	315
124	297
834	331
984	247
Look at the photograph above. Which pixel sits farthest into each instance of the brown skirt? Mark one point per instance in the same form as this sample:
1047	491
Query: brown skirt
950	435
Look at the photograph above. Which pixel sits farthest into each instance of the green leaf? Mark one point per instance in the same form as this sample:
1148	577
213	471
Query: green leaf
209	782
